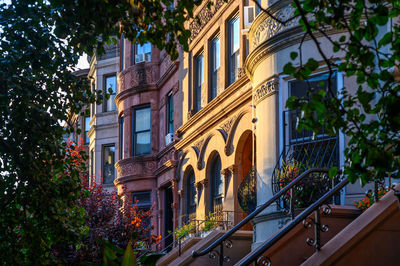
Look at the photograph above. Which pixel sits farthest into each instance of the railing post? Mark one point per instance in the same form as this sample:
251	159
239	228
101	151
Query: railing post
376	191
317	230
221	254
179	246
291	203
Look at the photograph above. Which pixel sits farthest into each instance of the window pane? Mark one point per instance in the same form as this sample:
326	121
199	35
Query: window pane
87	127
143	143
121	138
170	114
215	65
143	119
199	80
111	83
191	189
143	52
234	46
108	164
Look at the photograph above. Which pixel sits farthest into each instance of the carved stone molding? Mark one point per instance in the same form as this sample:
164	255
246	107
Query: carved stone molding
131	167
232	169
198	145
226	126
241	72
266	89
269	27
181	192
203	17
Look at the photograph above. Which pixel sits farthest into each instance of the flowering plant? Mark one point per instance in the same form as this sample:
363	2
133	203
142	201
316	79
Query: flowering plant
247	192
369	198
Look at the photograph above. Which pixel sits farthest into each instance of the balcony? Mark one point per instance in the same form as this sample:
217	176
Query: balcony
138	77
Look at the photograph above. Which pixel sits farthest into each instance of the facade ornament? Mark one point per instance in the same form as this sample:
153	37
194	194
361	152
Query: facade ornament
203	17
198	145
241	72
226	126
181	192
266	89
269	27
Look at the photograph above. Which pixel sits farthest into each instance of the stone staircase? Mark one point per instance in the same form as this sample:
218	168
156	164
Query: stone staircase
370	238
241	245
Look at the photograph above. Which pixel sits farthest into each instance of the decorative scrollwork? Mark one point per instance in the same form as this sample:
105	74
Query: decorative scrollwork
324	228
227	259
264	261
326	209
228	243
310	241
308	222
213	254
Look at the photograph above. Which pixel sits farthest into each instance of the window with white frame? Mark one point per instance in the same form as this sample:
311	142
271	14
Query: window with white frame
233	49
111	88
141	136
141	53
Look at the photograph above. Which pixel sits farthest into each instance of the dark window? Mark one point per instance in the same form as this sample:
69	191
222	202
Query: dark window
93	105
215	67
307	89
311	150
141	131
110	87
217	186
121	138
108	164
87	127
199	81
142	53
122	61
142	200
233	49
191	194
170	113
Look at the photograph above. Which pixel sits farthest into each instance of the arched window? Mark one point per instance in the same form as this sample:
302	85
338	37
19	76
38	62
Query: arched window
191	195
217	185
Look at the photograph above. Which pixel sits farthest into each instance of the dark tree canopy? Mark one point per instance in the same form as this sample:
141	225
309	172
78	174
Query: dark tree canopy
40	42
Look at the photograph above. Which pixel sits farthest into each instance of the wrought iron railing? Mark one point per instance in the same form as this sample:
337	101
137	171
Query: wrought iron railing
286	191
308	222
247	192
221	219
302	150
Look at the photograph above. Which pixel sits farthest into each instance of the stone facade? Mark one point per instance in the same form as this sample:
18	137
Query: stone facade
152	84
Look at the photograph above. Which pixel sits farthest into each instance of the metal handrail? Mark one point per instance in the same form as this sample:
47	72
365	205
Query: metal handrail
314	207
283	191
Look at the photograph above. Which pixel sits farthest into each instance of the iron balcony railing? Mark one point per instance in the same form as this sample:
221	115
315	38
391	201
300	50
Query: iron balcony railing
287	190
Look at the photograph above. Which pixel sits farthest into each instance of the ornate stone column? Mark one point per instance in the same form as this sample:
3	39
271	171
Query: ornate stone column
175	204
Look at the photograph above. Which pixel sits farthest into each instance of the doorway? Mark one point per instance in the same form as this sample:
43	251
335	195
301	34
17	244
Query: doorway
168	218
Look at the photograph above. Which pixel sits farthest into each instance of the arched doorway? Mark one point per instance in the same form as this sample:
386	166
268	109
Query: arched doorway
244	162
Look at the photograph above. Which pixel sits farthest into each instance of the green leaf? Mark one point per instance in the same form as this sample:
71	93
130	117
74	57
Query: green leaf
333	172
293	55
129	258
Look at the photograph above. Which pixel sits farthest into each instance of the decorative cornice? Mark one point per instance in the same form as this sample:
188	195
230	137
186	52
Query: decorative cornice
267	88
203	17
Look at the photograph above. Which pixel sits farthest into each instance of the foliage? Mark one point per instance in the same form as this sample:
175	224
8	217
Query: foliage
369	198
106	224
288	172
367	52
185	229
210	223
40	42
247	192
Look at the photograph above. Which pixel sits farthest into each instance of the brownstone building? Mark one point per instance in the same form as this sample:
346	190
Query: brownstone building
149	108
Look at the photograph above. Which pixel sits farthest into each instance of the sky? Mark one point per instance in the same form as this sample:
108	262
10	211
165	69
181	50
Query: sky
83	63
